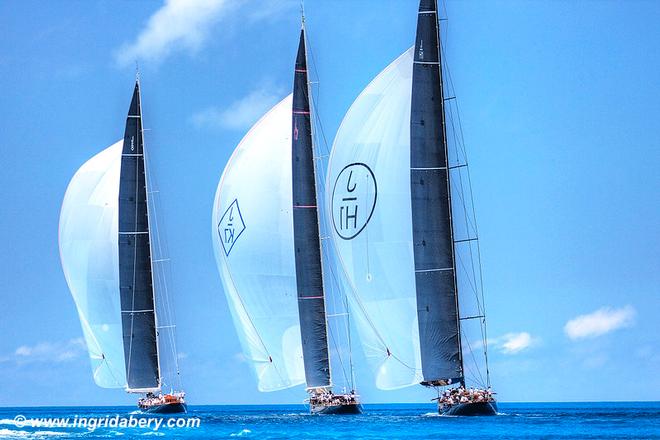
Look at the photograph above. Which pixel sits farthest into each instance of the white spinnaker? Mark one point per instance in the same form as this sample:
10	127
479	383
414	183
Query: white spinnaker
89	254
252	232
378	261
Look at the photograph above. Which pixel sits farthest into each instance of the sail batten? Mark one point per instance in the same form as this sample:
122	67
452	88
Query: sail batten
433	246
306	233
135	271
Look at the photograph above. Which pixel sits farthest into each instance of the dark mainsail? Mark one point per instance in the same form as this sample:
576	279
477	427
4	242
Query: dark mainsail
135	277
435	275
309	276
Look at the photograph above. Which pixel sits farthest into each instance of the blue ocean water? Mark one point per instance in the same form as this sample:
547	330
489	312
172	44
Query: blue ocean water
629	420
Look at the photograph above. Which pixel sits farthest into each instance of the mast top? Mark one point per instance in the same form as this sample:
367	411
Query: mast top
137	73
302	15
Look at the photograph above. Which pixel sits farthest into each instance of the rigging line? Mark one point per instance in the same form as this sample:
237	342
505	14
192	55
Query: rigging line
461	144
317	101
324	159
474	359
344	299
150	249
338	351
162	276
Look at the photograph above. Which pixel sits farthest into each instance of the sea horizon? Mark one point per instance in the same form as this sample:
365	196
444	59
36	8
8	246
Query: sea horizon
566	420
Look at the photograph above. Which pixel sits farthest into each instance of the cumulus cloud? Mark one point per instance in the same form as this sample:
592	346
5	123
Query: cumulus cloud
600	322
512	343
243	112
178	24
185	25
50	351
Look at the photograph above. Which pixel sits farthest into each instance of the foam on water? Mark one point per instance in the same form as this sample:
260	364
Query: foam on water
519	421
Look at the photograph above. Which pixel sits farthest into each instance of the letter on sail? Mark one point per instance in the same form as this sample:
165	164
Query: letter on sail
88	249
368	190
252	232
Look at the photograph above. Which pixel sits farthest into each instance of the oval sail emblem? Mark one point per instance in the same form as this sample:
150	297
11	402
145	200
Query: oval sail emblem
353	200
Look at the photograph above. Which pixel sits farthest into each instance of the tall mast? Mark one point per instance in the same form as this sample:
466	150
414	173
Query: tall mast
433	242
135	266
306	232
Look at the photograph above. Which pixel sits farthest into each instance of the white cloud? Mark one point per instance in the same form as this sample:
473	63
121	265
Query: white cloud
512	343
187	24
50	351
600	322
243	112
178	24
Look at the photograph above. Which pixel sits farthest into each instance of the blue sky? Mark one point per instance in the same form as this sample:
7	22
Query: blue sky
560	105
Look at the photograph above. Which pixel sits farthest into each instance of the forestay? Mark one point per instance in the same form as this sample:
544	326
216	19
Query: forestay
88	250
252	230
369	196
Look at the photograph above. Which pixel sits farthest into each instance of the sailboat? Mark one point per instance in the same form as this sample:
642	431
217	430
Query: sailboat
106	247
268	249
391	188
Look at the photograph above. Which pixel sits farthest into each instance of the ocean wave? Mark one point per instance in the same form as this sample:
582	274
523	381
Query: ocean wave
241	433
10	433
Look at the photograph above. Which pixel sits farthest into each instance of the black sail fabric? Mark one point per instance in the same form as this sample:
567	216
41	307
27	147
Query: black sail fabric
437	306
309	277
135	279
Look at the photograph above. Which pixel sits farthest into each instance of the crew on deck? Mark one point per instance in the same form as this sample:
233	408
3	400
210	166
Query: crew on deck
461	394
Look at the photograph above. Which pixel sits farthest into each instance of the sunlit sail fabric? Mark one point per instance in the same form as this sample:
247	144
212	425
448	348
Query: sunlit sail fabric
252	228
369	196
88	250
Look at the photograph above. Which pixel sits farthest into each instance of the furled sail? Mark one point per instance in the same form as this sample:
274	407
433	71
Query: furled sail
433	243
369	198
89	254
309	272
252	228
135	276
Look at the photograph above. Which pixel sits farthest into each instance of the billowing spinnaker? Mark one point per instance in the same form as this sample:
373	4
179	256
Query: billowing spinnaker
368	192
89	254
253	242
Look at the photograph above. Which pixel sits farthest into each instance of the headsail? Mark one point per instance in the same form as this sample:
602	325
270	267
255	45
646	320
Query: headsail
309	272
252	230
368	193
433	243
89	253
135	274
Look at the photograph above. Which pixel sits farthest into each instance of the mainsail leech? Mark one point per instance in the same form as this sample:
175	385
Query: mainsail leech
309	272
135	274
435	269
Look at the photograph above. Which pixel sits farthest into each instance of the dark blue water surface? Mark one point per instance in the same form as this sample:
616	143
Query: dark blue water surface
638	420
